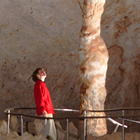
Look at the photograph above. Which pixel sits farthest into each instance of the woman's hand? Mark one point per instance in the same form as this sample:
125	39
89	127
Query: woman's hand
45	114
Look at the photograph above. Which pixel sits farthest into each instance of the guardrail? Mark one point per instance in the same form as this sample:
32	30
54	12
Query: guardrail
123	117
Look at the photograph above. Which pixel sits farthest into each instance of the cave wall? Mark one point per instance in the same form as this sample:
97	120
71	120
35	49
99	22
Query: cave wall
121	33
46	34
39	33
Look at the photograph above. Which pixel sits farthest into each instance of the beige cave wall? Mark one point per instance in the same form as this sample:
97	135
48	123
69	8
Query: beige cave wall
120	30
121	33
39	33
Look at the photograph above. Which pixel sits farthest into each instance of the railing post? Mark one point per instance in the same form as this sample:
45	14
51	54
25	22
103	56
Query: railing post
85	114
67	129
21	125
116	128
8	124
123	137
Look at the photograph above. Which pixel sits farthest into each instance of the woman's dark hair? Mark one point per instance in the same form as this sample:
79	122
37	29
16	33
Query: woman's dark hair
34	75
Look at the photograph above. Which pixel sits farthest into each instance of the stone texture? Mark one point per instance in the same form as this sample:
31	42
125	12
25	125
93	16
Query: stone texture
25	136
12	136
39	34
73	132
1	137
38	126
61	134
14	123
39	137
32	128
116	136
113	136
3	127
120	31
93	66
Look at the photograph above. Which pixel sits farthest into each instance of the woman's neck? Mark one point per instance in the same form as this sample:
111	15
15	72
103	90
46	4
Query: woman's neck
42	79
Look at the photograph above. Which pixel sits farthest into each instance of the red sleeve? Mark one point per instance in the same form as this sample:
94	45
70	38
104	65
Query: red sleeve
39	93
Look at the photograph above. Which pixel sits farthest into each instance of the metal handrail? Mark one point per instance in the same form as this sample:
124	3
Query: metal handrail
81	118
106	110
131	120
8	112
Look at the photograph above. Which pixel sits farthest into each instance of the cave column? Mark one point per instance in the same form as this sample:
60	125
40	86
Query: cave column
93	65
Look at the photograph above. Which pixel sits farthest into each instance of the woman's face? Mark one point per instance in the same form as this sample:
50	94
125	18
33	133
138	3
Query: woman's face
41	74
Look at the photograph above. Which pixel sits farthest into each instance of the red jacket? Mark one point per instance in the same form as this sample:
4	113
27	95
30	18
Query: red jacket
42	98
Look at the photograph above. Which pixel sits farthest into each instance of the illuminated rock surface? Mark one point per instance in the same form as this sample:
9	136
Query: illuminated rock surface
93	66
3	127
121	33
117	136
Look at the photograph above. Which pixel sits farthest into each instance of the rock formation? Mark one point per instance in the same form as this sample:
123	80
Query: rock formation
93	65
3	127
34	129
46	34
117	136
120	31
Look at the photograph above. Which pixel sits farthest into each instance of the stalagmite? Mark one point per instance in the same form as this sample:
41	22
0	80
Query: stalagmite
93	65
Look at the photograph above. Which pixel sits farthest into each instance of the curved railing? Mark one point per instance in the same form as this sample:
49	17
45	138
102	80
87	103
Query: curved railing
9	112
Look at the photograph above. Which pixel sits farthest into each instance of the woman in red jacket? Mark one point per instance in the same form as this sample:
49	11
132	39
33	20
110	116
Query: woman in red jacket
44	106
